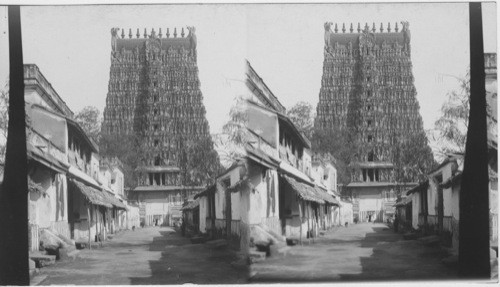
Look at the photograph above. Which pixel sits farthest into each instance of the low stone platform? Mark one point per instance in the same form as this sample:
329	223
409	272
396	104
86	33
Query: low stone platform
42	260
256	256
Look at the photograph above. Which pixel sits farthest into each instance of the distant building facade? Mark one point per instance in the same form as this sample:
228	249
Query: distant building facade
154	94
367	92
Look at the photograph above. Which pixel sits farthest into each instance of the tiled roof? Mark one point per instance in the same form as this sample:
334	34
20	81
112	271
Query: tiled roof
421	187
96	196
304	191
209	189
93	195
321	193
404	201
191	205
452	180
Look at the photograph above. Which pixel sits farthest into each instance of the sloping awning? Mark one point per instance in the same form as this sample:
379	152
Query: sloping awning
452	181
328	198
191	205
210	189
93	195
404	201
304	191
419	188
114	201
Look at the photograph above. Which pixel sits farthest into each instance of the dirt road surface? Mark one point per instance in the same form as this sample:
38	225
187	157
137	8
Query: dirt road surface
148	256
361	252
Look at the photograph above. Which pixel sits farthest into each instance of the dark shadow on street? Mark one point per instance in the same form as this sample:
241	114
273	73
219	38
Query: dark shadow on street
182	262
364	252
391	260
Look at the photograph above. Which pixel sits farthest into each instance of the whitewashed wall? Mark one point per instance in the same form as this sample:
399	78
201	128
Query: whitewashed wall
415	209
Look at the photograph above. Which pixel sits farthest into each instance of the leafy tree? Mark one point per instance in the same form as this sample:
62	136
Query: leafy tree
89	118
412	158
199	162
302	115
236	127
335	142
230	144
452	125
4	120
127	149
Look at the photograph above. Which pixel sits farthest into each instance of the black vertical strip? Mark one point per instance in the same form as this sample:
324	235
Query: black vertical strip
14	192
474	259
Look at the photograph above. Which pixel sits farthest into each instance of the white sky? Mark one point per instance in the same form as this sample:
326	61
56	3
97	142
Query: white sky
284	43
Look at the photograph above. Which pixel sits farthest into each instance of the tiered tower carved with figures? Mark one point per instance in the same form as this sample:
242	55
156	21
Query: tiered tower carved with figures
367	93
154	93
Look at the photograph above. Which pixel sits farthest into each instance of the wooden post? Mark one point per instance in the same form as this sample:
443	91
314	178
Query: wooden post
89	223
474	249
96	224
308	227
14	269
440	207
301	215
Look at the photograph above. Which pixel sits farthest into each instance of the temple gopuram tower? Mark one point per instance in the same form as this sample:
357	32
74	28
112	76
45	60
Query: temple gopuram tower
154	94
367	93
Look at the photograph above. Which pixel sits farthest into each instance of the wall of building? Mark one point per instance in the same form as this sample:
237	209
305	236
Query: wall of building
346	213
133	217
105	177
370	199
81	218
157	207
264	203
317	173
94	166
455	202
432	198
118	184
220	202
203	213
415	209
33	97
49	209
447	201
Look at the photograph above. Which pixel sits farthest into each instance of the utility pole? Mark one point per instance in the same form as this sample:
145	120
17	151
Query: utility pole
474	256
14	266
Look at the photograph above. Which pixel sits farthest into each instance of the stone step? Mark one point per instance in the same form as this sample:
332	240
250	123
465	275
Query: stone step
291	241
85	244
42	260
256	256
280	250
32	264
38	279
264	246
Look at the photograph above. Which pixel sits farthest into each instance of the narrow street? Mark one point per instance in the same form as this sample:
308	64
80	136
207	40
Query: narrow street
361	252
147	256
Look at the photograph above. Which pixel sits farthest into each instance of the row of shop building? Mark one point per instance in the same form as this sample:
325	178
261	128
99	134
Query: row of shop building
73	193
433	206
